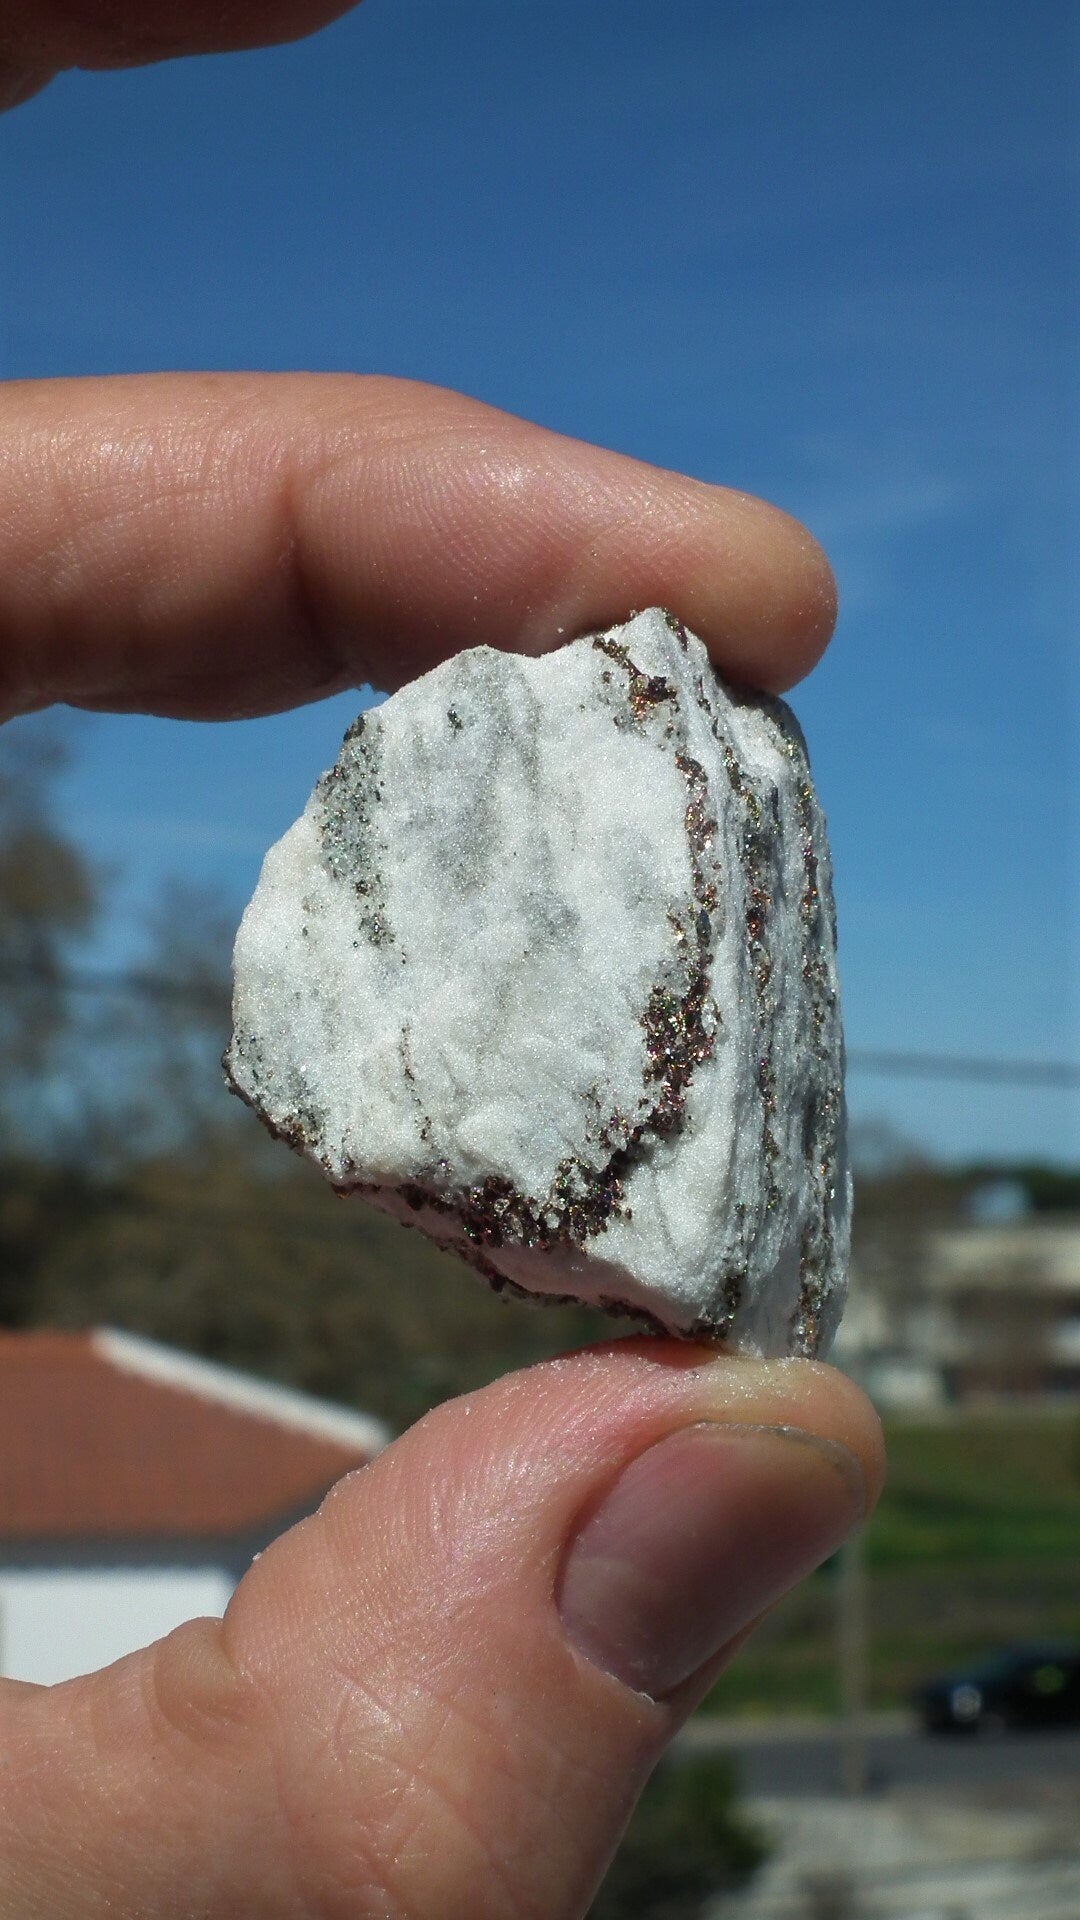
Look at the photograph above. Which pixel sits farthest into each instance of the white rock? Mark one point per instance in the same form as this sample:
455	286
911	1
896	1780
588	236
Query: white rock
547	969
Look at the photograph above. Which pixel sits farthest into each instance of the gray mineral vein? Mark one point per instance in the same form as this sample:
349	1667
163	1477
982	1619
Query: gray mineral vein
547	969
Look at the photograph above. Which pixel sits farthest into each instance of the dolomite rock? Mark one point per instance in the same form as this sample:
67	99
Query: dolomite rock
547	969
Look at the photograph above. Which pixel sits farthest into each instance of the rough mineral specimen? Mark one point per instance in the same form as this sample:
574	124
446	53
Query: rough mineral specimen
547	969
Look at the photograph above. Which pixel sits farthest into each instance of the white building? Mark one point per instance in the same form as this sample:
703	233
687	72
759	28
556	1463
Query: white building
991	1312
136	1484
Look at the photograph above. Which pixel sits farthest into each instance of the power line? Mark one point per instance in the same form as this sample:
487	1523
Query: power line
897	1063
959	1066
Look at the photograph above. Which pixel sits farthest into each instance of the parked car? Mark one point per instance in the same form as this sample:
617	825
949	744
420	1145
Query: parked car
1025	1686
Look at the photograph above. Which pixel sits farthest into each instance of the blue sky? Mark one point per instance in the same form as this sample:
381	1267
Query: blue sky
825	253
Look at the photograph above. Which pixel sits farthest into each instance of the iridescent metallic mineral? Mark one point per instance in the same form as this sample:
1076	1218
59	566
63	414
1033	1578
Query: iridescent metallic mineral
547	969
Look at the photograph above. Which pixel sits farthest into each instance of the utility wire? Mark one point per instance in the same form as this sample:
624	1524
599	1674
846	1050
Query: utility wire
893	1062
959	1066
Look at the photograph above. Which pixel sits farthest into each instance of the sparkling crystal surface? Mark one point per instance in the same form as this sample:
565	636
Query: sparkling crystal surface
547	969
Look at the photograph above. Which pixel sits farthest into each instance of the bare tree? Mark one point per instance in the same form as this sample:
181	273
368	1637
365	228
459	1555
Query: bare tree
49	895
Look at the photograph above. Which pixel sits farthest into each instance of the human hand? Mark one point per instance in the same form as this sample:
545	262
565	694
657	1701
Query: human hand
439	1696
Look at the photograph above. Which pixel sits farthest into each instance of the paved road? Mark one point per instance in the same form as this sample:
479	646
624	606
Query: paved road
803	1758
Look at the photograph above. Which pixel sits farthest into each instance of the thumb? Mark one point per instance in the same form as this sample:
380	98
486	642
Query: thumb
439	1697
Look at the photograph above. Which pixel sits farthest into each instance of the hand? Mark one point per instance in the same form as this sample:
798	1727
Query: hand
438	1698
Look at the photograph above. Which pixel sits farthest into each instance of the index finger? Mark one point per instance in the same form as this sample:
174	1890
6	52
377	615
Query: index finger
40	39
215	546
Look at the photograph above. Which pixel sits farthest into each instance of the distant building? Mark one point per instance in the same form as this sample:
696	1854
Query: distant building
1007	1307
984	1312
136	1485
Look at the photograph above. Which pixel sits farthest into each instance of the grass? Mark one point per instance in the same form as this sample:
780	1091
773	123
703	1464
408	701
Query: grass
982	1488
976	1542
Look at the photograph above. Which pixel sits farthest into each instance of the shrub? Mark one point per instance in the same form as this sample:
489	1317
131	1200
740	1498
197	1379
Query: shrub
686	1841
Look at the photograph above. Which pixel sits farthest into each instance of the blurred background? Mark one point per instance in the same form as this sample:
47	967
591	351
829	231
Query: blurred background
824	253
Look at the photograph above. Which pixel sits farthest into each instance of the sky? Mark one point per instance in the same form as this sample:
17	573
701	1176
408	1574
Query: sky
825	253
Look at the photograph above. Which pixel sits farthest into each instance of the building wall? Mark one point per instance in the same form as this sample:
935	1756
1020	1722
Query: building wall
985	1312
57	1622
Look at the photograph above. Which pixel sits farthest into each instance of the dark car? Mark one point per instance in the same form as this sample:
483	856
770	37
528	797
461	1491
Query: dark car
1028	1686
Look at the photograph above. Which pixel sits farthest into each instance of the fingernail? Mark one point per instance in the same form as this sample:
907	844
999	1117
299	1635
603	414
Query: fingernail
697	1537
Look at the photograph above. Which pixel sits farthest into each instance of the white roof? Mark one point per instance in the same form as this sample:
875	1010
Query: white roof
287	1407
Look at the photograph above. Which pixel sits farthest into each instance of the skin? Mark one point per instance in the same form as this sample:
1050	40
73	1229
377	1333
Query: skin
392	1719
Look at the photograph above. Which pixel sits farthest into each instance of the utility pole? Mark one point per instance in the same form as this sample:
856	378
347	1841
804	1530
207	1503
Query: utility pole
851	1656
